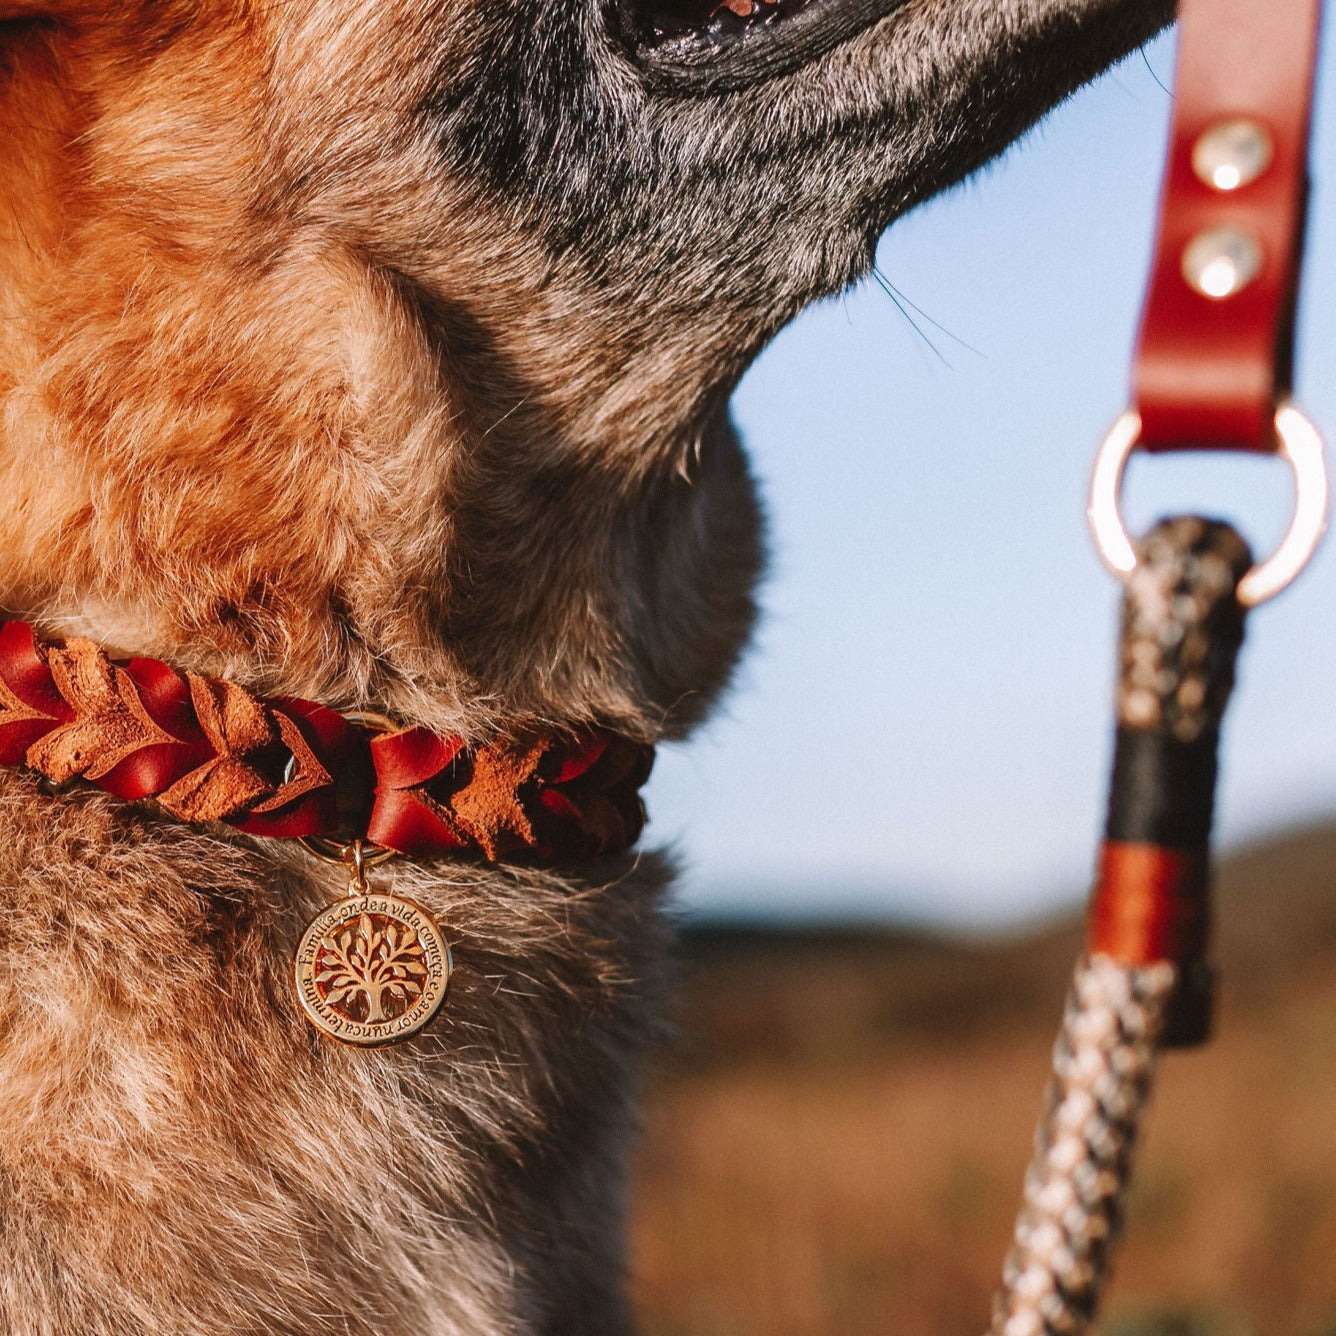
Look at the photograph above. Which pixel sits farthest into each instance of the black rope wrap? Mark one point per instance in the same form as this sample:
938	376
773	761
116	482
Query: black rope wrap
1181	630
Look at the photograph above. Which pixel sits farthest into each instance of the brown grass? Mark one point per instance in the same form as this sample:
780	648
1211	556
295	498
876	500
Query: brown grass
838	1144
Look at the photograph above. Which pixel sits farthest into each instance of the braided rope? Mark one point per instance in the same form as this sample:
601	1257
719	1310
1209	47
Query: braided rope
1144	983
1075	1186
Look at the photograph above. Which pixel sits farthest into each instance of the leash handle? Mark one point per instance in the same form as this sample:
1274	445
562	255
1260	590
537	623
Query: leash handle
1143	983
1182	625
1214	357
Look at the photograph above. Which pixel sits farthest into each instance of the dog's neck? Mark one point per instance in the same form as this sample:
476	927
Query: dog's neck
252	447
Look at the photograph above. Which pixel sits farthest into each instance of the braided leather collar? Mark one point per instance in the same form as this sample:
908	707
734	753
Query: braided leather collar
205	749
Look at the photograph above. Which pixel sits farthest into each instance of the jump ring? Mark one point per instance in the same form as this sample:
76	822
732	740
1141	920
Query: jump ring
337	851
357	862
1300	444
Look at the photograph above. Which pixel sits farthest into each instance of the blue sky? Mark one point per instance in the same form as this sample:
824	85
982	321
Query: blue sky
922	730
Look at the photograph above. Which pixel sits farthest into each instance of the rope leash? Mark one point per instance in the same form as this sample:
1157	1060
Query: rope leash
1144	983
1077	1180
1212	371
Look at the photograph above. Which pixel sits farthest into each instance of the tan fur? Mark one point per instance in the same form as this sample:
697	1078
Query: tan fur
243	447
181	1154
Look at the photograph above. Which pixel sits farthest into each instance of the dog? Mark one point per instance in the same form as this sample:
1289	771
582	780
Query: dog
378	352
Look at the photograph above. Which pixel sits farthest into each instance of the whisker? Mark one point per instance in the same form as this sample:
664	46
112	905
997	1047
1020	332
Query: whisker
936	324
1168	92
889	290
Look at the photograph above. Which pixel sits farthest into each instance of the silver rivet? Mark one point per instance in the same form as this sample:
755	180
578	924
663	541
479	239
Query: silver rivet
1231	154
1222	261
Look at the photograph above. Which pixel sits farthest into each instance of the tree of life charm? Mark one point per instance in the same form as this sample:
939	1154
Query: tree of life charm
372	969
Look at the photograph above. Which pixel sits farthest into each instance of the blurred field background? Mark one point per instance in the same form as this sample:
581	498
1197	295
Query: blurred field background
836	1142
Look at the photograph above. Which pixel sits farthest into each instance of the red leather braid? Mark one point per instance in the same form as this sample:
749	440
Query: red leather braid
205	749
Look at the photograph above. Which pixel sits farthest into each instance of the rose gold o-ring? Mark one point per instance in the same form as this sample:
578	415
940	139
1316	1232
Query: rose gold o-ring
1300	444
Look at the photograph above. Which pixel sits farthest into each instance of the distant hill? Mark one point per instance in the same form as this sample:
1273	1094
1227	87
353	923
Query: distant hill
835	1144
837	988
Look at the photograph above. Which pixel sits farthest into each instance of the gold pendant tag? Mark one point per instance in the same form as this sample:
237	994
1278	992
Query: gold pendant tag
372	969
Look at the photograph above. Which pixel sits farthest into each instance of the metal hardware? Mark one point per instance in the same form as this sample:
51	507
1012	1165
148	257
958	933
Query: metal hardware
1299	443
1232	154
354	854
372	721
372	969
1221	262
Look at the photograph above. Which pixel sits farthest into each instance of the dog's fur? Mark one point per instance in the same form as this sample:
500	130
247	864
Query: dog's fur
377	351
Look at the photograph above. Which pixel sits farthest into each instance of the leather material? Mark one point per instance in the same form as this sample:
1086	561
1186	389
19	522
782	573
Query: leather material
1151	903
205	749
544	797
1210	371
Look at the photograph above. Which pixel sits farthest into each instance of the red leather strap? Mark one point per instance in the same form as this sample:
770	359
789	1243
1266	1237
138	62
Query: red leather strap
1210	370
546	797
205	749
